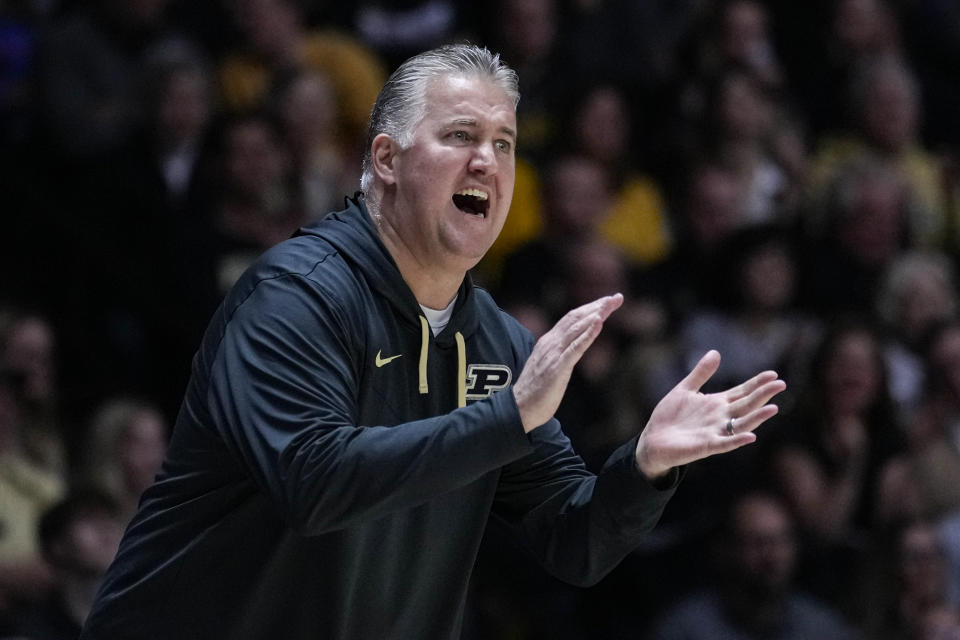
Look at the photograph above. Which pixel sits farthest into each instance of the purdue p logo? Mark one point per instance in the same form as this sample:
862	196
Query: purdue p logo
484	379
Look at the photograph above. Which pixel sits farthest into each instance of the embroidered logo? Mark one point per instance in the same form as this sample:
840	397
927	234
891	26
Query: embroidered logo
380	361
484	379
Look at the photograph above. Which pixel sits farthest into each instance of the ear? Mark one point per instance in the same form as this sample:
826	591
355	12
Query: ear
383	153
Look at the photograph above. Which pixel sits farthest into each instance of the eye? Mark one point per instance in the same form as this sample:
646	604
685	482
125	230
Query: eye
504	146
460	135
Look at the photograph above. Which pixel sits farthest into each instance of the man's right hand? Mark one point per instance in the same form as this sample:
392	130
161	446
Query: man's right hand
543	381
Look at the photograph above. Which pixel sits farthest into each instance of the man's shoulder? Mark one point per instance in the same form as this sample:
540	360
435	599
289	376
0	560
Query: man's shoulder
309	256
304	262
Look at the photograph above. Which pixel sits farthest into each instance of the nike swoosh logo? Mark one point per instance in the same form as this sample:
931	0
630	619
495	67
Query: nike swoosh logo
380	361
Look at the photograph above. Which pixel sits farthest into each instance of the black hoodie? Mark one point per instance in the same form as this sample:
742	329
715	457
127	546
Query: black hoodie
334	464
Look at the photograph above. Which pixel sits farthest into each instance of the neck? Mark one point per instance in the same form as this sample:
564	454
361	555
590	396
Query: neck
433	286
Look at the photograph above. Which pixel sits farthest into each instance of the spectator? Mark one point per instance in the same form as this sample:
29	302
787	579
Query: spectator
604	128
26	491
911	584
578	194
278	42
917	293
828	457
526	33
757	322
752	134
89	68
708	214
28	347
925	480
79	537
828	43
397	31
886	103
604	402
125	449
322	159
258	202
753	594
867	228
140	323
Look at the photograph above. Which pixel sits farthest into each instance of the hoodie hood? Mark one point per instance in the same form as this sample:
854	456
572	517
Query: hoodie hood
352	232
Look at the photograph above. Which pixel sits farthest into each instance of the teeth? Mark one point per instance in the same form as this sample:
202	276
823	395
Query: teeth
476	193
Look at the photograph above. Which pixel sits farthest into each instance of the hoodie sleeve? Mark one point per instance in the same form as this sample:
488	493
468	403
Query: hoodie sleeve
579	525
282	395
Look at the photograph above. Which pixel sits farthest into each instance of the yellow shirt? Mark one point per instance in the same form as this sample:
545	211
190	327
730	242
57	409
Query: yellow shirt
354	70
26	491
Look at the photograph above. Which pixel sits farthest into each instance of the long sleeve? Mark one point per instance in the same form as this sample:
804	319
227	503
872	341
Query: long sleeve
283	396
579	526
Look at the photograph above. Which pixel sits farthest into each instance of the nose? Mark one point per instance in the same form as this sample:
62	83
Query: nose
483	160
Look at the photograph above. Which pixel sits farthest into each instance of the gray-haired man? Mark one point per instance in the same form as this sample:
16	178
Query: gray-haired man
358	409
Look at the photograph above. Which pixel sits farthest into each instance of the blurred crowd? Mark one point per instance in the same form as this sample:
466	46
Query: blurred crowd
776	180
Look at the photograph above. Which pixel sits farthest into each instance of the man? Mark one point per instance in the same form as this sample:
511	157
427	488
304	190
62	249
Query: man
755	595
79	537
358	410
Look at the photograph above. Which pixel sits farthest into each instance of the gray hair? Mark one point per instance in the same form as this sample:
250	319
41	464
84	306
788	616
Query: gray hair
402	101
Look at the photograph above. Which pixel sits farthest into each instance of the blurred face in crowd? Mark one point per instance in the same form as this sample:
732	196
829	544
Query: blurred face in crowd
255	159
29	350
529	28
872	228
603	125
578	195
765	553
595	269
715	205
945	359
857	25
309	110
745	36
768	277
269	25
891	110
184	109
744	111
928	298
922	564
853	374
141	450
450	189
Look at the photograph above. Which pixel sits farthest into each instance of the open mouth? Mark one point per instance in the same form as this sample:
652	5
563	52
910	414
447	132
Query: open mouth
472	201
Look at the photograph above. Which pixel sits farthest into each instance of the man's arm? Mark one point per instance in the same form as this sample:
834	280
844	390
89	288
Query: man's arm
282	396
580	526
685	426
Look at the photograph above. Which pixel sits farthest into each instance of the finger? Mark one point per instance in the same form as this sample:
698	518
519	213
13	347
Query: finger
702	372
605	306
757	398
751	421
587	329
582	341
582	319
745	388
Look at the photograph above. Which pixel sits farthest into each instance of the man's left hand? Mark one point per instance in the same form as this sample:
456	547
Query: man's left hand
687	425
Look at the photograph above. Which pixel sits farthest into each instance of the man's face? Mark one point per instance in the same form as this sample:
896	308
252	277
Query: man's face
455	181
